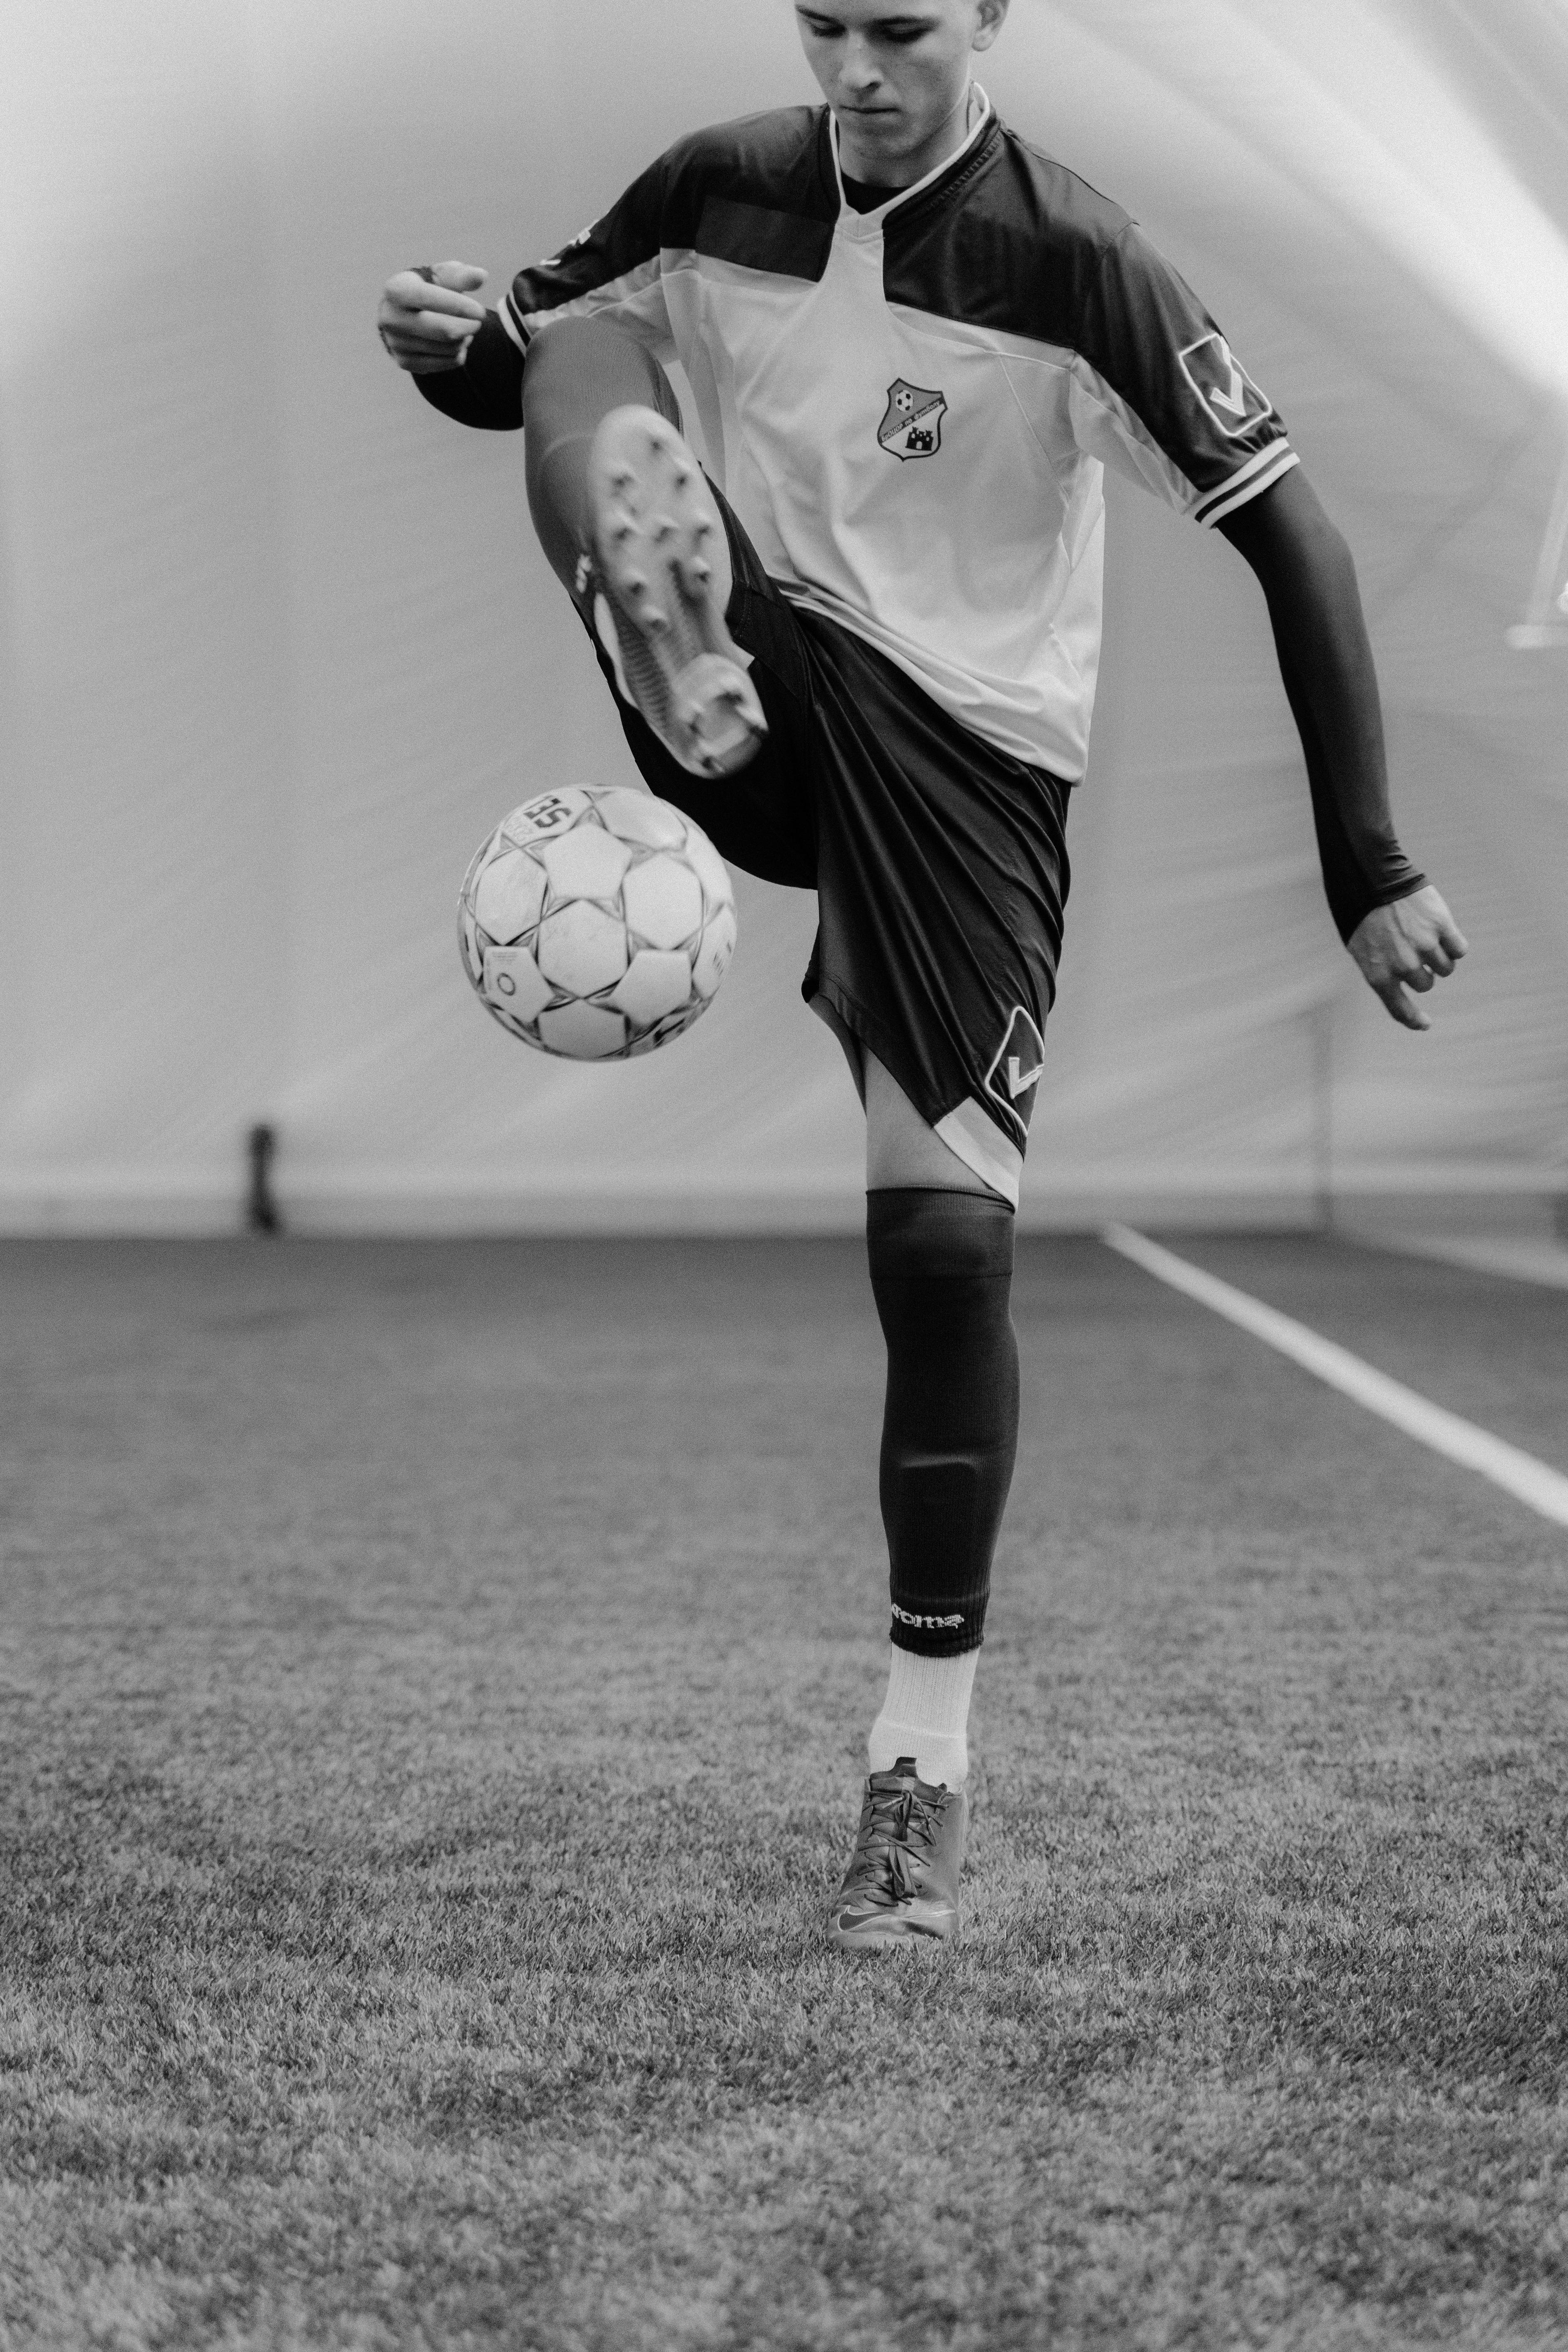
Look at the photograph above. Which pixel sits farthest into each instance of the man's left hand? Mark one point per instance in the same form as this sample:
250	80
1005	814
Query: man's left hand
1410	944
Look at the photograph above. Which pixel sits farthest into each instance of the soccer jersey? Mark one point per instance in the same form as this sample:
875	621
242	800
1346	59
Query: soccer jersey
910	408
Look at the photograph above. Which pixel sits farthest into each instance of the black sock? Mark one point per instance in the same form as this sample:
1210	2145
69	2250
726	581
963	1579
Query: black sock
942	1270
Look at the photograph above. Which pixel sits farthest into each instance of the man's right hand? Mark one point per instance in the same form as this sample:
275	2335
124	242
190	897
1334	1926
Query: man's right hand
426	321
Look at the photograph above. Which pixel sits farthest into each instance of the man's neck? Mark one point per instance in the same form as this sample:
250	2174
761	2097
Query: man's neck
862	163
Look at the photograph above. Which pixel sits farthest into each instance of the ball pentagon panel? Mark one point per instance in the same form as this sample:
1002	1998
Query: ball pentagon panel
586	863
507	897
658	981
586	1032
581	948
663	900
639	817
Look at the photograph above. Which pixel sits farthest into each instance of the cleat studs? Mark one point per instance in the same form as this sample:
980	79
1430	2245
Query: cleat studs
654	621
702	571
682	475
634	583
622	530
622	478
662	530
702	528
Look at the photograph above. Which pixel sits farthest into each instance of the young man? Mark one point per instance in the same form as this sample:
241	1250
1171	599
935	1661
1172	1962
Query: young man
861	652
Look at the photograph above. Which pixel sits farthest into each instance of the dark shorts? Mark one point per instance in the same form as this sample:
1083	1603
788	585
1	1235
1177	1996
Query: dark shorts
940	865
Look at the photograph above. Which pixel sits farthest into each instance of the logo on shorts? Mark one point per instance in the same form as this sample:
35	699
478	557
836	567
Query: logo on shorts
1019	1066
1233	400
912	425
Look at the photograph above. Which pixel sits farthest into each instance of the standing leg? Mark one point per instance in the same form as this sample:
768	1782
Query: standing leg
941	1253
941	873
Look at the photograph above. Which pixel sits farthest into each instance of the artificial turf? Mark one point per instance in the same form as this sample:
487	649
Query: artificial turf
434	1680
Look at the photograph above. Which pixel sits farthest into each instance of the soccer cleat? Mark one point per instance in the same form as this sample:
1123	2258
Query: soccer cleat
652	515
901	1885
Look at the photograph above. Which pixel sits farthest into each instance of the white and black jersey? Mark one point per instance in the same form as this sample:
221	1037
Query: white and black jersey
910	408
907	401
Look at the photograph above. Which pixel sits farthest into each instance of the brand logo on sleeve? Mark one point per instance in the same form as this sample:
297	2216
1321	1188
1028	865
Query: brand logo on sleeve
1233	400
912	425
554	260
1019	1066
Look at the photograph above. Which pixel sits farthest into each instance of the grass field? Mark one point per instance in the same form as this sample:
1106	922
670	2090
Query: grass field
433	1681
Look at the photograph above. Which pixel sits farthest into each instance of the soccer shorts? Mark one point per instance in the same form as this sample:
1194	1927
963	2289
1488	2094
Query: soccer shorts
940	864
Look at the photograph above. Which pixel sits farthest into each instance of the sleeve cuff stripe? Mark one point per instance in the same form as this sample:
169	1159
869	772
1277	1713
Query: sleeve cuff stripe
1255	464
507	315
1278	463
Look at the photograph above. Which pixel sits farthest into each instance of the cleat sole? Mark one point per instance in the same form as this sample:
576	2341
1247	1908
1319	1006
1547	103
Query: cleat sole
651	511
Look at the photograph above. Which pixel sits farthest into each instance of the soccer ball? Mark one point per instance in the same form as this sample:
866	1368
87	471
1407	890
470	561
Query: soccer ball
596	922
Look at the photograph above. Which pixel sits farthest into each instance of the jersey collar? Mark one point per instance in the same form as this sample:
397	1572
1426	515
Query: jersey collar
862	224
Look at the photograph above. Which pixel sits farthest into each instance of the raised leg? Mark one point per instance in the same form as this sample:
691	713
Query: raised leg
631	526
578	370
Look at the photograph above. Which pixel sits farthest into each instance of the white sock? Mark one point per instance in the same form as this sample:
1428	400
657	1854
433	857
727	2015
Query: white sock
924	1716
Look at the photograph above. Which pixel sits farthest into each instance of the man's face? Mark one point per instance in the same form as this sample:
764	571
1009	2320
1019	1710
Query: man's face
895	71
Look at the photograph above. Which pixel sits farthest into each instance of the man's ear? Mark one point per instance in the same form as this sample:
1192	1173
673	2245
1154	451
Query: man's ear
993	13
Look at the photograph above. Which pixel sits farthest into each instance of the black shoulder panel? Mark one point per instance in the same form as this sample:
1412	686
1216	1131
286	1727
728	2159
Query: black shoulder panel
780	162
1013	242
623	239
760	238
760	191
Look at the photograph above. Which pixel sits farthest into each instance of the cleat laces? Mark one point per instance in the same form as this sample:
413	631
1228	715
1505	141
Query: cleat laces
898	1834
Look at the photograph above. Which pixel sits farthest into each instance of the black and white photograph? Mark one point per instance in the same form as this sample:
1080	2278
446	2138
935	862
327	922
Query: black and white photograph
784	1176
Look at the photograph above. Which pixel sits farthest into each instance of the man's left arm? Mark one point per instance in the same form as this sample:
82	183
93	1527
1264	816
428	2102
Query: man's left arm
1395	925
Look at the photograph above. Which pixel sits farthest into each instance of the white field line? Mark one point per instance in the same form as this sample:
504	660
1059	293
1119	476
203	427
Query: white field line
1533	1482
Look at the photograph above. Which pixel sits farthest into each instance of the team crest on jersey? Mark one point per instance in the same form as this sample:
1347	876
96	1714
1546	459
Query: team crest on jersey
1233	400
1013	1080
912	425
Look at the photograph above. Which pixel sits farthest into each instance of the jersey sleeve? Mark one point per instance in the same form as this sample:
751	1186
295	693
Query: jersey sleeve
486	390
610	270
1158	393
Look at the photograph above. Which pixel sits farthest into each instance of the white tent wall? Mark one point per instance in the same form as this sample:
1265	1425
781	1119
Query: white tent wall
277	648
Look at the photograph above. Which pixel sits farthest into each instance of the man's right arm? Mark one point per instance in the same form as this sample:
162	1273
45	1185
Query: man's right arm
486	388
467	360
458	353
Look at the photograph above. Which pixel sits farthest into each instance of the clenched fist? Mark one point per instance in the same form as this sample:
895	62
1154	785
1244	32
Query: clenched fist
427	316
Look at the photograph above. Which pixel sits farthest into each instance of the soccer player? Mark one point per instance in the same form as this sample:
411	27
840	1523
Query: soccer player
861	650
